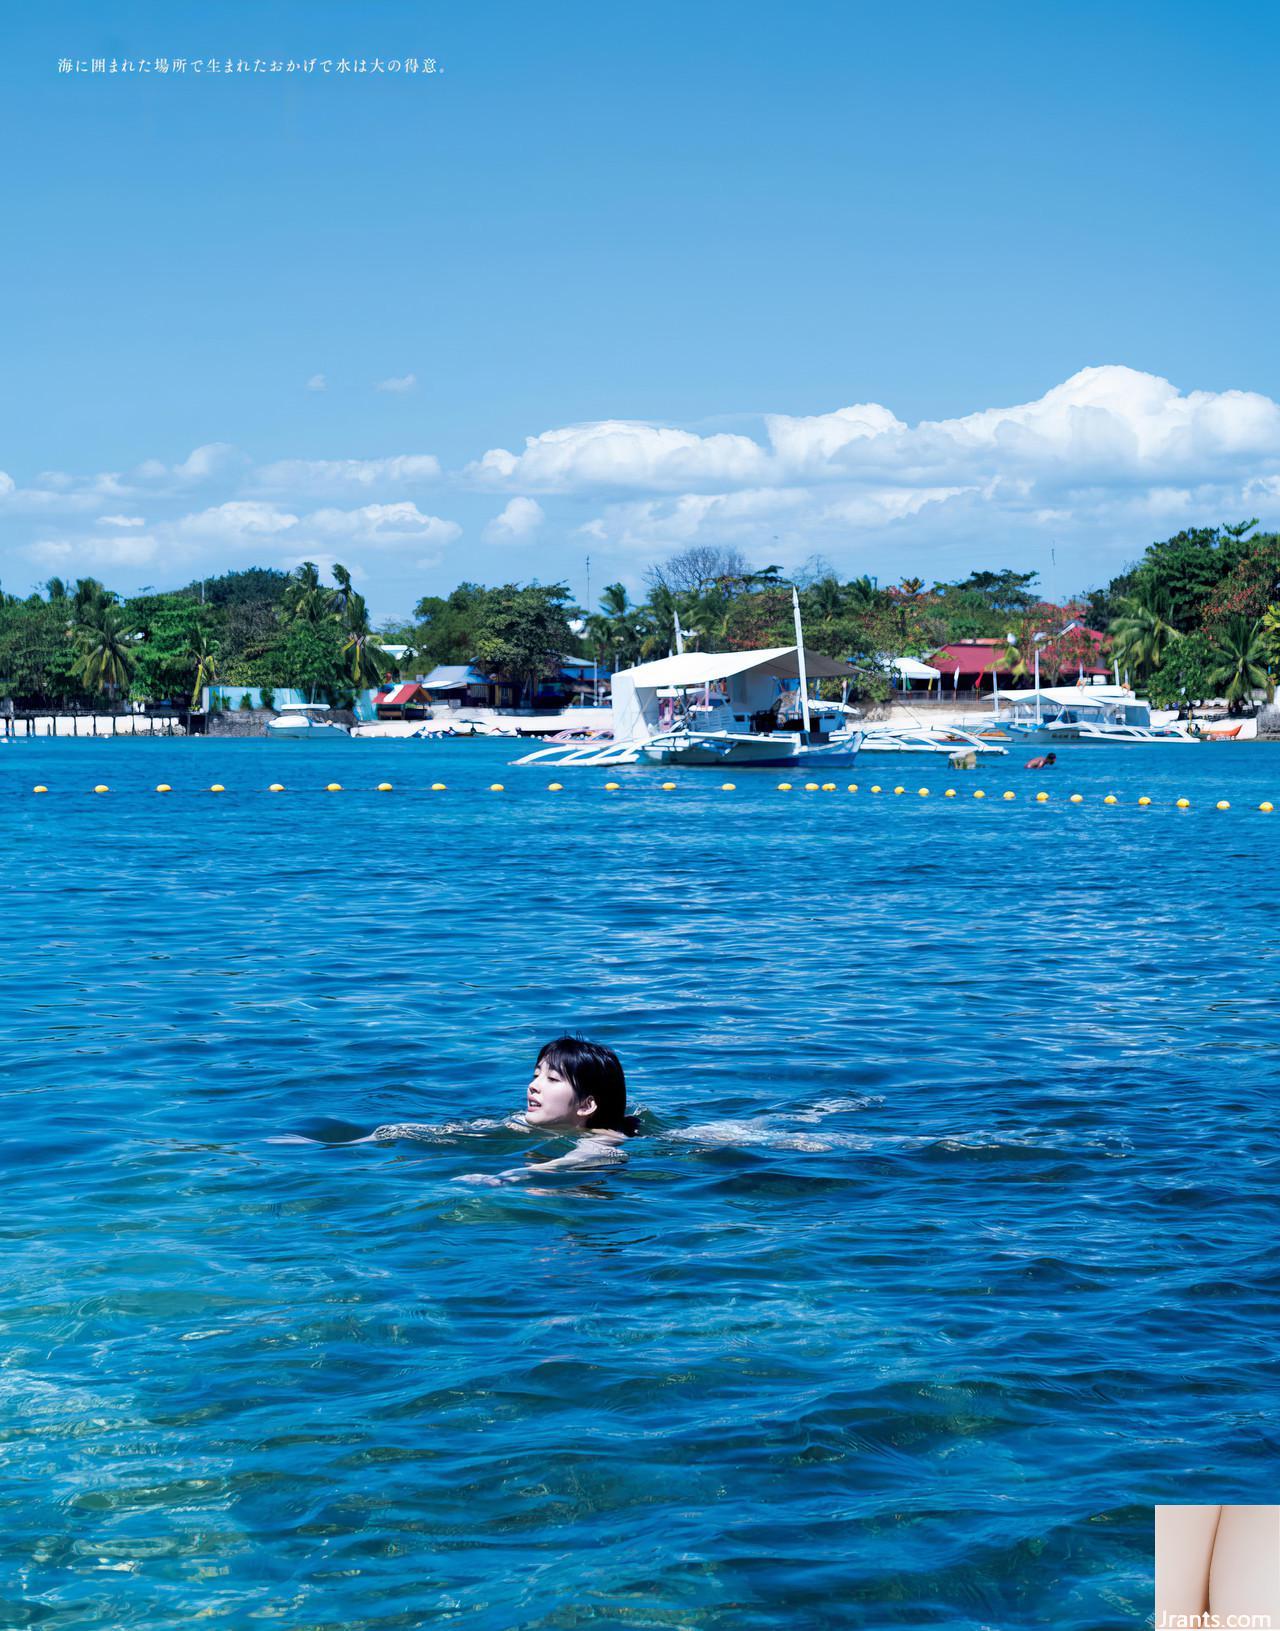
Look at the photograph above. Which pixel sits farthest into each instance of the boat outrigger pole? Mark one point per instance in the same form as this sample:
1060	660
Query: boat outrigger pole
804	678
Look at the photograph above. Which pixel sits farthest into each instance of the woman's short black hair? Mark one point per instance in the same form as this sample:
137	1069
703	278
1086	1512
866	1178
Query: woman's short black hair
593	1071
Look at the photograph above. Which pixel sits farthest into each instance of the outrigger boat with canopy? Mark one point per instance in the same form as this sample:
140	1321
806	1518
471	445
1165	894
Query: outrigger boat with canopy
1084	713
668	713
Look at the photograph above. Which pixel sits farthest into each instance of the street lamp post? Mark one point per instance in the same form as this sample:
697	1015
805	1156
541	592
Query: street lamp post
1036	640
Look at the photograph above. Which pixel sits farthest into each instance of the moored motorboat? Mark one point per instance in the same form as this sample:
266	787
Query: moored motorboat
304	722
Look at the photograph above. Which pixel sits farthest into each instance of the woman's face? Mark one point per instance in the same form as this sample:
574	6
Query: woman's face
552	1101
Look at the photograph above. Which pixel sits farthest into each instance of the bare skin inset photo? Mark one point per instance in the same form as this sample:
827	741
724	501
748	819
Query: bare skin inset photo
1217	1567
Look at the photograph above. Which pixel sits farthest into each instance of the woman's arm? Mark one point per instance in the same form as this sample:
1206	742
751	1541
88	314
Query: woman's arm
432	1132
590	1154
1184	1550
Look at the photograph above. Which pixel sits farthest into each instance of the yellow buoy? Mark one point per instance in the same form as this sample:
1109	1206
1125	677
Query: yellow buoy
612	787
102	788
1111	799
276	787
163	787
853	787
1042	798
875	788
1184	804
41	789
828	787
784	787
950	793
1267	807
555	787
1222	804
899	789
923	791
334	787
437	787
727	787
1144	799
668	787
978	793
384	787
217	788
1010	795
811	787
496	787
1077	798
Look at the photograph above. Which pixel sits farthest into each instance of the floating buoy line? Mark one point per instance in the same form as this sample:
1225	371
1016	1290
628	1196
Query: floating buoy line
1144	801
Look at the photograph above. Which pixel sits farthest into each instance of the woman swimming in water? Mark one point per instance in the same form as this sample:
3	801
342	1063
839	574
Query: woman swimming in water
578	1088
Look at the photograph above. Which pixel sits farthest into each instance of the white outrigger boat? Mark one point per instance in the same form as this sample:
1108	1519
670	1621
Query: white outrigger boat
666	712
304	722
926	739
1085	713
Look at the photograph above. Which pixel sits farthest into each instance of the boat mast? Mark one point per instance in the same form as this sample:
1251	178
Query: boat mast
679	636
804	678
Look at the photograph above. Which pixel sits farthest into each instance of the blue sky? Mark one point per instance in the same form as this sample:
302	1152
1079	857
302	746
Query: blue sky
710	227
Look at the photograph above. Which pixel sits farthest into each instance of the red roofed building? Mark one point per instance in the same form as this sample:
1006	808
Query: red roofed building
407	701
969	665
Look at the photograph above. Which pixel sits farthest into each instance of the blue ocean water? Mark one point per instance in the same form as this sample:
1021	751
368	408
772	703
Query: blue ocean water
949	1247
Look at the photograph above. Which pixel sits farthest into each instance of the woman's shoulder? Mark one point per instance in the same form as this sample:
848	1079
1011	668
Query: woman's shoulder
605	1135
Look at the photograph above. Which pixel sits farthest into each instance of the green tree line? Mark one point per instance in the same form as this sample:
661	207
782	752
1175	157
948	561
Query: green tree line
1197	616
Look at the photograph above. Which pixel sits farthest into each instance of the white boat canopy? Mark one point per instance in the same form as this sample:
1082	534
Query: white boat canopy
1071	696
298	707
910	668
636	690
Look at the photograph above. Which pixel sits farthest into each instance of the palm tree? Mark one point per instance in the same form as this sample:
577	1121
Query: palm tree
304	600
206	661
1142	630
861	595
1012	660
343	593
1239	665
56	589
612	631
89	601
367	661
106	651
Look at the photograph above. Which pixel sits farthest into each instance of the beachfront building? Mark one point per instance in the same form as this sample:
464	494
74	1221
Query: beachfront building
460	685
978	667
580	680
406	701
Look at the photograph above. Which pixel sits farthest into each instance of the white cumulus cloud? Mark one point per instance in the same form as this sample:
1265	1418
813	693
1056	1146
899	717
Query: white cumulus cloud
1107	422
1102	462
391	525
317	382
236	520
332	475
94	553
516	523
201	464
405	382
620	453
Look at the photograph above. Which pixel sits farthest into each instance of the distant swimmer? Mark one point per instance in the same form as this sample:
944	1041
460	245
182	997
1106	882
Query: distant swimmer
1042	763
578	1090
